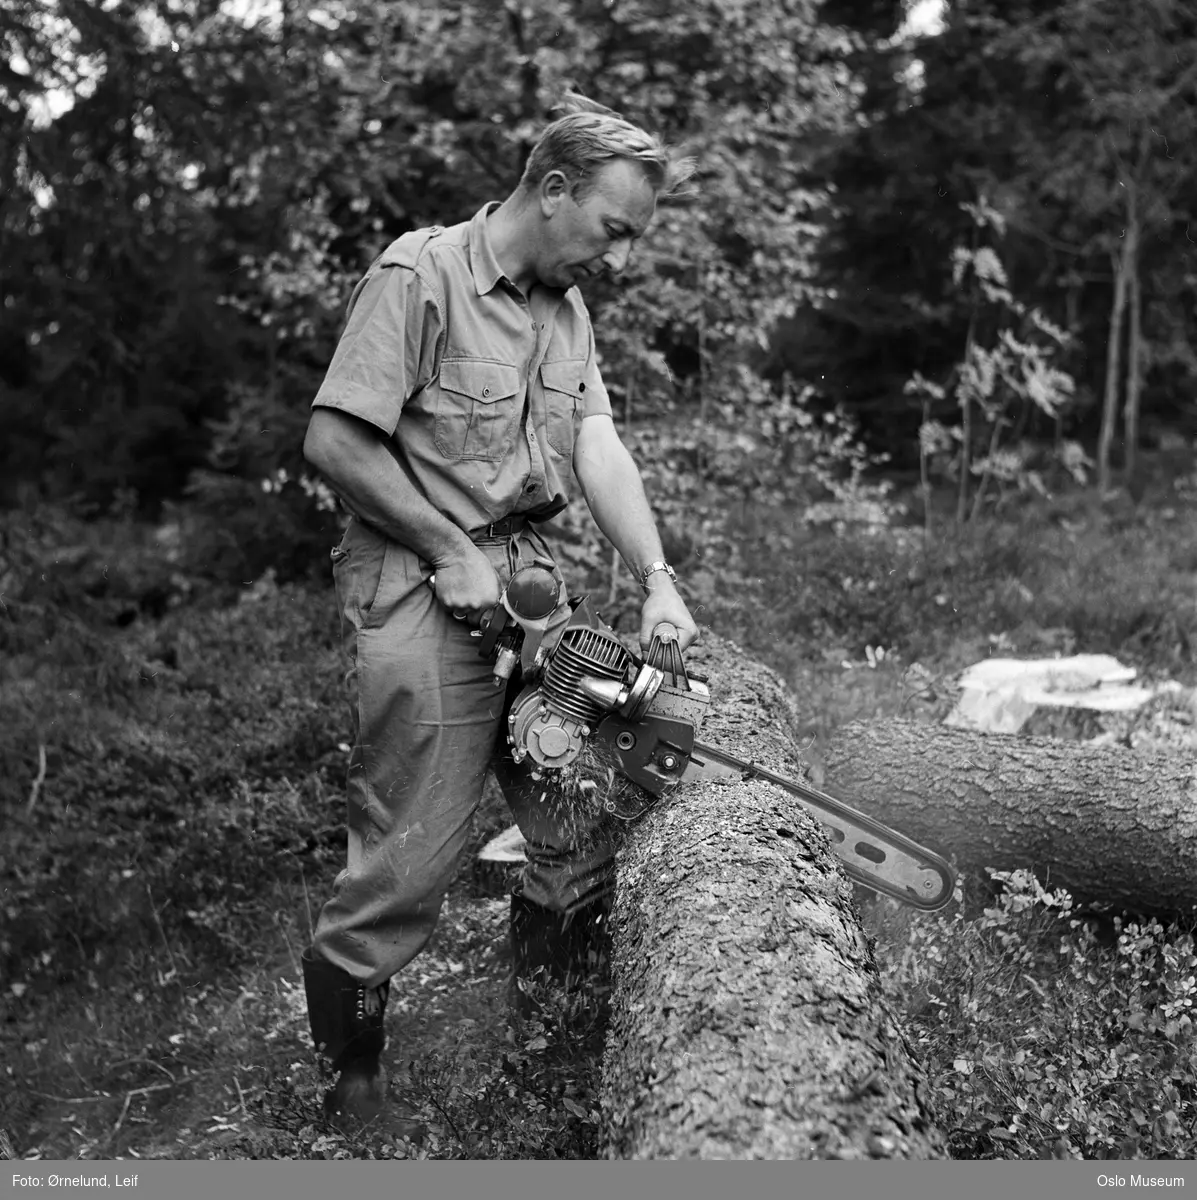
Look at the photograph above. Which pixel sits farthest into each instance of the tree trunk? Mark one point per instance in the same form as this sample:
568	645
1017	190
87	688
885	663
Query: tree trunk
1112	825
983	485
966	411
925	475
746	1016
966	428
701	321
1134	346
1109	410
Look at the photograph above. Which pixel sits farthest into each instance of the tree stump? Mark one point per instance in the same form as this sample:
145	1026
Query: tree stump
746	1016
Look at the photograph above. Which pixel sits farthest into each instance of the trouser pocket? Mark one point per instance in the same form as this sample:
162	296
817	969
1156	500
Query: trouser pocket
372	574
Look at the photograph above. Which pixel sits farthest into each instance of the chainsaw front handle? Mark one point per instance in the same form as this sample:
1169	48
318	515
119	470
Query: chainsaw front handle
665	653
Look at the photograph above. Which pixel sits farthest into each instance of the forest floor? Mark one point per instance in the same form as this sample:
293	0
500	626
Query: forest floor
171	784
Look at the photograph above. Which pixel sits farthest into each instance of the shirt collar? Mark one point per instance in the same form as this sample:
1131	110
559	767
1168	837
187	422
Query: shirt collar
483	263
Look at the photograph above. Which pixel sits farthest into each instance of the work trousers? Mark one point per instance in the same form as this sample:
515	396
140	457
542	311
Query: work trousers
428	721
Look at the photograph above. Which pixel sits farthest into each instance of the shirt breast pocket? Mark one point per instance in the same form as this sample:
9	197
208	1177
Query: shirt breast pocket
476	408
563	387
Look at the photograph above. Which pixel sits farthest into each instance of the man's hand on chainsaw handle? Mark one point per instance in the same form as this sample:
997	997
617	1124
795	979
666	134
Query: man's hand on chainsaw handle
663	606
352	458
466	583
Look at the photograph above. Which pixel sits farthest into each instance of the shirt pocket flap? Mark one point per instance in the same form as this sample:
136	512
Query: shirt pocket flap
483	381
564	376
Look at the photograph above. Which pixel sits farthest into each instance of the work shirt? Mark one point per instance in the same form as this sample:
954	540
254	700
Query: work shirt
479	391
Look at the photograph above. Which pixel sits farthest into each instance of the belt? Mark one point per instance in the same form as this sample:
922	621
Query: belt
499	529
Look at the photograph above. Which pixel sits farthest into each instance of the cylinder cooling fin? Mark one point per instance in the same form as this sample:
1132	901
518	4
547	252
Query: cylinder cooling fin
582	652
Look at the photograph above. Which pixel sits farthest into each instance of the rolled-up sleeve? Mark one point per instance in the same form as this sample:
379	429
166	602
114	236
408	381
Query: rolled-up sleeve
387	349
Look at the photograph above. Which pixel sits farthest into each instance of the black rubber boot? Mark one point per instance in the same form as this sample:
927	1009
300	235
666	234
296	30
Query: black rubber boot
554	949
347	1026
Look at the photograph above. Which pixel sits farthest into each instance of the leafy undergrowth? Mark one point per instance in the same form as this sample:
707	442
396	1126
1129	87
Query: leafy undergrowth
1040	585
173	810
875	622
170	781
1045	1032
177	1068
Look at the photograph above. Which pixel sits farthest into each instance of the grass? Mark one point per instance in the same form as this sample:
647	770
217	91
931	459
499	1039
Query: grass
161	873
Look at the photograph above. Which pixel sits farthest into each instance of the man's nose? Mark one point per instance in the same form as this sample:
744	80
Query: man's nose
617	257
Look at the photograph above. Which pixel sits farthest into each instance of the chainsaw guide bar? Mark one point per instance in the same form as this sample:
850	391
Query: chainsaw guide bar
661	754
871	853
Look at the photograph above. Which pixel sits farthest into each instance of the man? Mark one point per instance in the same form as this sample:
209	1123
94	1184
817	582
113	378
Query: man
463	394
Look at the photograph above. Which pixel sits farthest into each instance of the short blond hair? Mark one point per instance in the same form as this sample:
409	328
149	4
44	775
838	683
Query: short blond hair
590	135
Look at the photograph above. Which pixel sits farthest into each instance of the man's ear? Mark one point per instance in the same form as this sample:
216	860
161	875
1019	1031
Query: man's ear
553	191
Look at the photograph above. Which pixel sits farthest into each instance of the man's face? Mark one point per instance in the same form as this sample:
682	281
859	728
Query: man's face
587	237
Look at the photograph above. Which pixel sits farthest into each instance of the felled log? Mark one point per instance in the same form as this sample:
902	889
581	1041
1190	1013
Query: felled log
1111	825
747	1019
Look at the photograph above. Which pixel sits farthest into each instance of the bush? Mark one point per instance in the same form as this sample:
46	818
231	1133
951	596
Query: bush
186	776
255	507
726	490
1047	1033
1099	587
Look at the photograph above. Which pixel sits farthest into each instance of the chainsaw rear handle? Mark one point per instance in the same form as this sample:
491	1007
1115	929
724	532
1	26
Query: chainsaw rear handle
484	617
529	597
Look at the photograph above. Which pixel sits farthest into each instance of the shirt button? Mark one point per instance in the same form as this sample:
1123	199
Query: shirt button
581	387
486	391
530	488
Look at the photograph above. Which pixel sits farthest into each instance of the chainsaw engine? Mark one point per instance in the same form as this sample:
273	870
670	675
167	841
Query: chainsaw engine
590	683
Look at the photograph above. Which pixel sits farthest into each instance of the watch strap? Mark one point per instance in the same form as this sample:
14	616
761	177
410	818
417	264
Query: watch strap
652	568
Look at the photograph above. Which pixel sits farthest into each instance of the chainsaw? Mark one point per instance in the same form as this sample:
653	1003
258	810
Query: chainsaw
642	716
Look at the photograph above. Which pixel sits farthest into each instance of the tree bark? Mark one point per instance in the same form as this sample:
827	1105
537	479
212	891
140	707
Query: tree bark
1111	825
746	1016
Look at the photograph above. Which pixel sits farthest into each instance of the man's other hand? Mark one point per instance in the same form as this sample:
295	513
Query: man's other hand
466	584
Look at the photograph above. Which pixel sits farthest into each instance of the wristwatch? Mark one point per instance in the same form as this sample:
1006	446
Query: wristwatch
653	567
